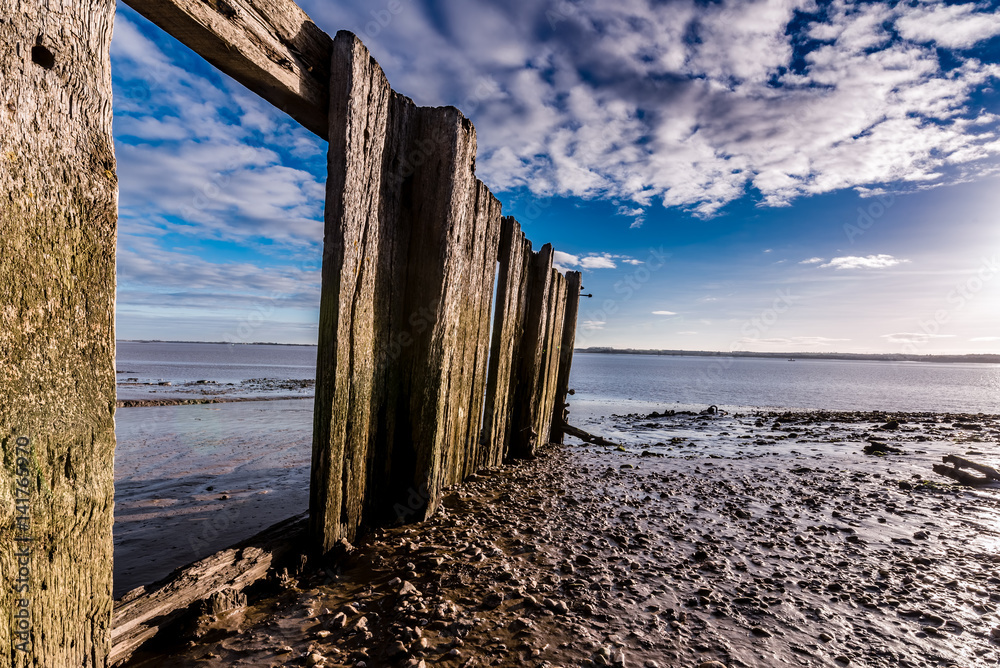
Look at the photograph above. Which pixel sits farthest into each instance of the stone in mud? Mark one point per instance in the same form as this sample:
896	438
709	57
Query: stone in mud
710	664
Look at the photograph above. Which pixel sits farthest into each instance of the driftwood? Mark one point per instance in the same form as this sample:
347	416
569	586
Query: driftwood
963	463
140	615
581	434
961	476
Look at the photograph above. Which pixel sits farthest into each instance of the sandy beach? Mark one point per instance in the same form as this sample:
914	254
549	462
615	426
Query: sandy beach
752	539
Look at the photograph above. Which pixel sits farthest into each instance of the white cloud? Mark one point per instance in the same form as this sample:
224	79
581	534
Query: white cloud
687	333
597	262
986	338
866	262
914	337
593	324
794	341
812	260
952	26
664	313
563	261
637	214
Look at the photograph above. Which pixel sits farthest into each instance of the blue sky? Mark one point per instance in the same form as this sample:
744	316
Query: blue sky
789	175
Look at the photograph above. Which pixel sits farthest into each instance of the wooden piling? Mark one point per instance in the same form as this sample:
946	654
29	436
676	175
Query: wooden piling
529	383
58	217
508	322
408	273
560	412
551	357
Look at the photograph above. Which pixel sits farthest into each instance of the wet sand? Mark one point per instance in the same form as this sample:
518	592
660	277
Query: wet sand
754	539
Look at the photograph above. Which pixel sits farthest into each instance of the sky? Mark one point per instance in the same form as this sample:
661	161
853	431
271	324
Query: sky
786	175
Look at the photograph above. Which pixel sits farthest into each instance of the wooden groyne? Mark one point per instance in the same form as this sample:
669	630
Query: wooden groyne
410	261
417	387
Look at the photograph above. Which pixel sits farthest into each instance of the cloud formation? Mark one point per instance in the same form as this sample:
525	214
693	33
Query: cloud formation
565	261
914	337
694	104
866	262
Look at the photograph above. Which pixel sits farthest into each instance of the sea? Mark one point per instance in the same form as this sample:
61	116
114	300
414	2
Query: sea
601	381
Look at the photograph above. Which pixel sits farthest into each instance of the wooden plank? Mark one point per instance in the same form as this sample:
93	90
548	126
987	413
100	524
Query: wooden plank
356	281
58	220
270	46
573	285
961	476
507	324
550	364
409	264
140	616
458	447
440	208
488	218
963	463
524	437
566	428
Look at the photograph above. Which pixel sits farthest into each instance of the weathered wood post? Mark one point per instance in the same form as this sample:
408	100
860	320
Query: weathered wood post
573	285
408	269
546	394
58	214
508	323
531	371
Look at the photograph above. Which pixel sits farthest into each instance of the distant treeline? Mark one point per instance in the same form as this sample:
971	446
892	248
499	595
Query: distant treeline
887	357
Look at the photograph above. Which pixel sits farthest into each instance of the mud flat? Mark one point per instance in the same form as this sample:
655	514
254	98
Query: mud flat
753	539
194	479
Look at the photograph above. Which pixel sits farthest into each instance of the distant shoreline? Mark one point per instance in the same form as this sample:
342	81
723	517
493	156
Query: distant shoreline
874	357
150	403
983	358
217	343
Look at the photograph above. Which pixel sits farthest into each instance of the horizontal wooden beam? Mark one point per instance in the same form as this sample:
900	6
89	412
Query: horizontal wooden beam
270	46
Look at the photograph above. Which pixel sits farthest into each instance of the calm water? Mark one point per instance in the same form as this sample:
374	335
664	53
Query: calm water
613	382
142	367
636	382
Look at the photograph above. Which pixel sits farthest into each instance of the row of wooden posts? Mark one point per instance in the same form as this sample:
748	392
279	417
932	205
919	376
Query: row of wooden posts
417	385
412	392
